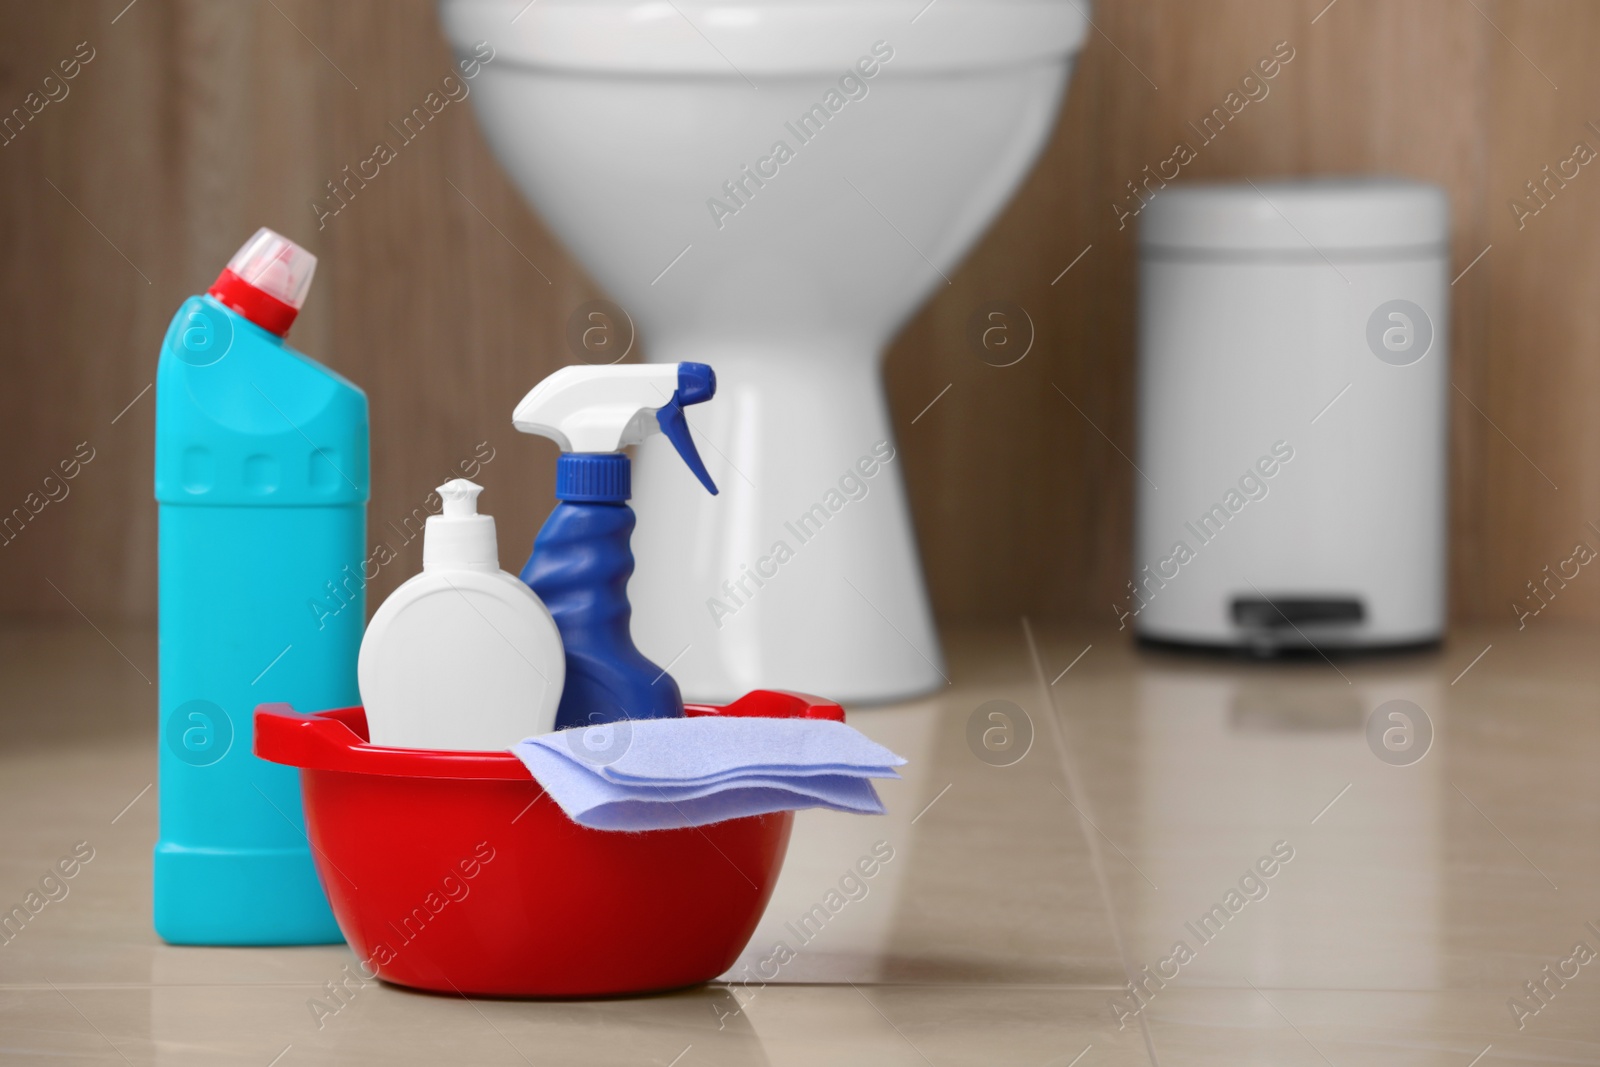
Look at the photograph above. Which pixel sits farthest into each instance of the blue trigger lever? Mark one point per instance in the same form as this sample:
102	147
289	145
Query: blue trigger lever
697	383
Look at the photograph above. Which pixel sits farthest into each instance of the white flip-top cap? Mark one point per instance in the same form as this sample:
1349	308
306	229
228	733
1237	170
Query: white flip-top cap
275	265
459	538
1310	216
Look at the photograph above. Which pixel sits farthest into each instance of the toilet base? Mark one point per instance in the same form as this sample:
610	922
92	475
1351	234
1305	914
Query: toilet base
803	572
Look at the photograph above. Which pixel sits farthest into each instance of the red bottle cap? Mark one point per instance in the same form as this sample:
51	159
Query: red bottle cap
266	281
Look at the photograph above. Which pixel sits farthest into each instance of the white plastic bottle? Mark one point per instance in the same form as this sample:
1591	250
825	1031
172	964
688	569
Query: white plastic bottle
463	656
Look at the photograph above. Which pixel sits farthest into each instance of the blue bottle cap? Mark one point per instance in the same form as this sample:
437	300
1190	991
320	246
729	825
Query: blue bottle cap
593	477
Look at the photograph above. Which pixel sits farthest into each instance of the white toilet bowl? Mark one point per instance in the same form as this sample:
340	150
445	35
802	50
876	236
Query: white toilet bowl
646	134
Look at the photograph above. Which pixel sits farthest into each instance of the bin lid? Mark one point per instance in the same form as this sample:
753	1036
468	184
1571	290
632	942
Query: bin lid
1304	215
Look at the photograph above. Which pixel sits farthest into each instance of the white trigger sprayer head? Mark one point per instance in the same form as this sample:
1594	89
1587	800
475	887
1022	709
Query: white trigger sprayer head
605	409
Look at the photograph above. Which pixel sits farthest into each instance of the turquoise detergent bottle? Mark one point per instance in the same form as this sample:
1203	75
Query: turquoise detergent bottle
581	559
261	477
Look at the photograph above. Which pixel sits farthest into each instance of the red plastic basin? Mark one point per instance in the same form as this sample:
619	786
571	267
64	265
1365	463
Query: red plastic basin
453	871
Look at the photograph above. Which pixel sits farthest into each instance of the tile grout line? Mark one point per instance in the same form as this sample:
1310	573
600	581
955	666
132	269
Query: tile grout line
1096	862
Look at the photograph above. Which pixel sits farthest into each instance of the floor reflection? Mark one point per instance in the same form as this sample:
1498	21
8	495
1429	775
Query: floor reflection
1286	852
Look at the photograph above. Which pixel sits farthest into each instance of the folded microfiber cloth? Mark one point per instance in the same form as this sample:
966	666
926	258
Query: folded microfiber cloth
654	774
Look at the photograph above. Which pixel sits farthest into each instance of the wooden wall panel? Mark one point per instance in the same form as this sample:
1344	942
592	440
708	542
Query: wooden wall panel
196	122
1540	469
445	297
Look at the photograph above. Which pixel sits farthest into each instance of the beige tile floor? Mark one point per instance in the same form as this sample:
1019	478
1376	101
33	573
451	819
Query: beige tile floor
1020	899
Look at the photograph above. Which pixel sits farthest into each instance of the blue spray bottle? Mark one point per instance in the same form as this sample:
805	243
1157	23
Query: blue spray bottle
261	479
581	559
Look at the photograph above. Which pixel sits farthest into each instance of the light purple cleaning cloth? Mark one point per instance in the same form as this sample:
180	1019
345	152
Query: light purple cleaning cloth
655	774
